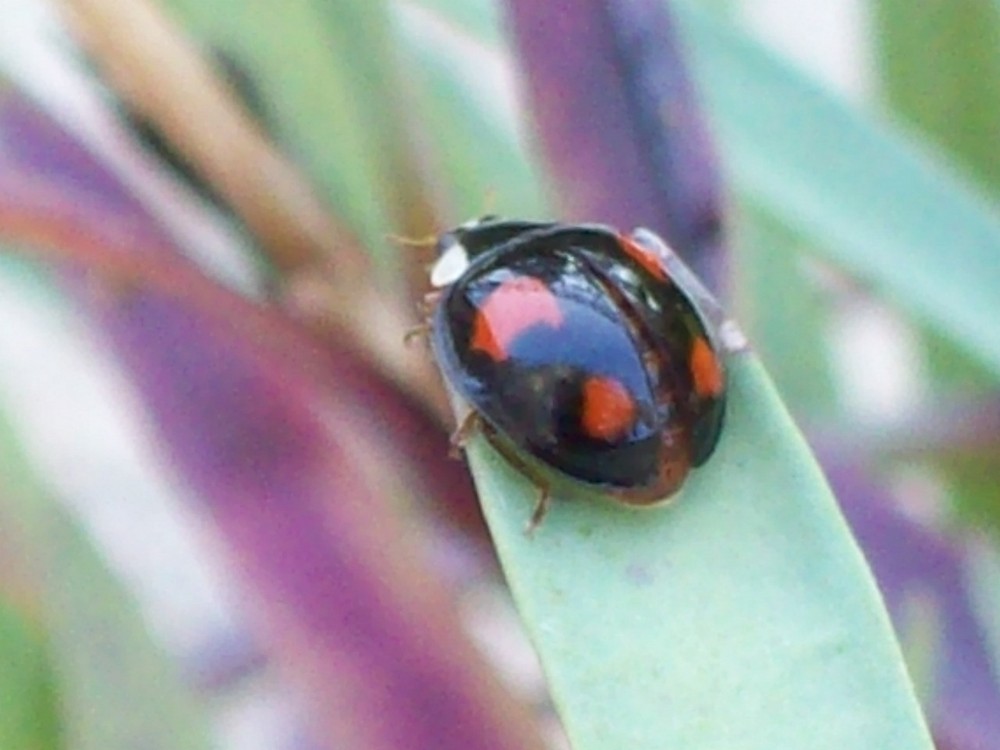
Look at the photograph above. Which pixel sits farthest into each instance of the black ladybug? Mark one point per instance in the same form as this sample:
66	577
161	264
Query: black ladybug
582	349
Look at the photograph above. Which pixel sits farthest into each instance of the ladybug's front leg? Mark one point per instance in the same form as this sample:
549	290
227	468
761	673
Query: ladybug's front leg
422	330
541	508
460	437
419	331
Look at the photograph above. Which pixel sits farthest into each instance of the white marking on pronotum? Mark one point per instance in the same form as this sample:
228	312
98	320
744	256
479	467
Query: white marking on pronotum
450	265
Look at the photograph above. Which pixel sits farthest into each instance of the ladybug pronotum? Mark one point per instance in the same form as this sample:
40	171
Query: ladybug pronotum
582	350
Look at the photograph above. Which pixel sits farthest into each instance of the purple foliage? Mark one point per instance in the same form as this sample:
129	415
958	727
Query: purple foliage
909	560
619	122
295	466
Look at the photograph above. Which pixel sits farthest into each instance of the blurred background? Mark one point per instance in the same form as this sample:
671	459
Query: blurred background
201	322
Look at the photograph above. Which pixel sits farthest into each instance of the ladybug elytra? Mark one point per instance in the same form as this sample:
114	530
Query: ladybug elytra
581	349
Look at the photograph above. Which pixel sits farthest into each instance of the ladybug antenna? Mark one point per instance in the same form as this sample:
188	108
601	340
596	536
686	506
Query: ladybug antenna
428	240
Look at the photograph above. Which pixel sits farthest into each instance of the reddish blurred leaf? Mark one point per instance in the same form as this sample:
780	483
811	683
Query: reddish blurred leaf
296	450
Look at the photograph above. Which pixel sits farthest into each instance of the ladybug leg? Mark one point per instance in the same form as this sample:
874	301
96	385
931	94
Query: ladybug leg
419	331
429	302
534	476
428	240
538	514
422	329
460	437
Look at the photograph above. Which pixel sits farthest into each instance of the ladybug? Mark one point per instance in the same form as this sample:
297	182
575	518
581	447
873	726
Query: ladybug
579	349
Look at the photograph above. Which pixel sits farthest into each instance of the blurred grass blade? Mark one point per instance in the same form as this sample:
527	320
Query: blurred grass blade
53	213
115	688
874	203
163	78
480	18
618	120
939	62
922	575
29	714
792	337
743	616
328	72
483	165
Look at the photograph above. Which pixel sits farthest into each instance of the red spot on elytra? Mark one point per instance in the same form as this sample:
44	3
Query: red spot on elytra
644	257
513	307
706	372
608	410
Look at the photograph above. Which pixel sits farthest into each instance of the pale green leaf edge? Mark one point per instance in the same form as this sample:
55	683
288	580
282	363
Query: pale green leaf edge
742	616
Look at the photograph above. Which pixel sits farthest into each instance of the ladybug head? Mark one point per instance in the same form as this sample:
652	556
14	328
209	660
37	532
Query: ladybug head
488	234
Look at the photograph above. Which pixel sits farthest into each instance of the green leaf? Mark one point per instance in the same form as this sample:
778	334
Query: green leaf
28	715
742	616
872	201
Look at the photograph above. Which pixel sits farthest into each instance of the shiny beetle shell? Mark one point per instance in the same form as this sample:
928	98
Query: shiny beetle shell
577	347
